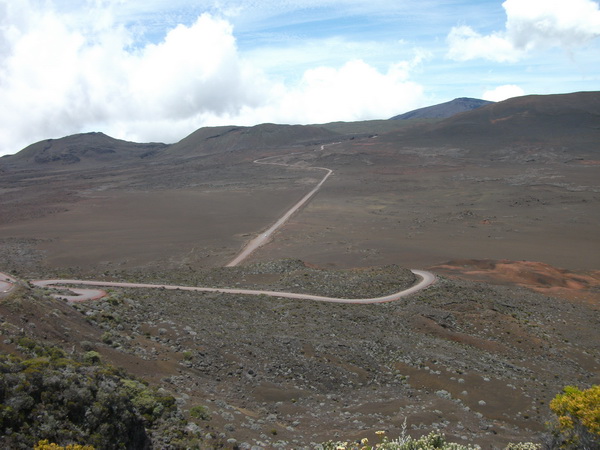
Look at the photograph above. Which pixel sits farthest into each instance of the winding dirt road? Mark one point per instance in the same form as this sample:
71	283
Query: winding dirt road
72	294
427	279
7	284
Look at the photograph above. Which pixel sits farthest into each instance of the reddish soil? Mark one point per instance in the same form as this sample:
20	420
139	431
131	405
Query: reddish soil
582	286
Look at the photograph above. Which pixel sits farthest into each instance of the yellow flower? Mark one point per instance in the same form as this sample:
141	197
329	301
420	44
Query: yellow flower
380	433
364	441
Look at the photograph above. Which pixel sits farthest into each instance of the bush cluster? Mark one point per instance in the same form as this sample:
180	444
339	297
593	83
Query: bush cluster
54	398
45	445
405	442
578	418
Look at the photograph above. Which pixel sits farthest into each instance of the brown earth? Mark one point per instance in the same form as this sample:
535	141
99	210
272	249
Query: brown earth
479	359
576	286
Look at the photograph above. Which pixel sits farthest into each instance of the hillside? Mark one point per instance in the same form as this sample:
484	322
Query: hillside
443	110
82	149
232	139
477	362
95	150
547	122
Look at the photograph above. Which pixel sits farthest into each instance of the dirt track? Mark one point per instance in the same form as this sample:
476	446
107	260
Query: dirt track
264	237
427	279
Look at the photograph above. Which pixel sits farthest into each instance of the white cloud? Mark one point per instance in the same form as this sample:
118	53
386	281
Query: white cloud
530	25
465	44
355	91
540	23
503	92
64	73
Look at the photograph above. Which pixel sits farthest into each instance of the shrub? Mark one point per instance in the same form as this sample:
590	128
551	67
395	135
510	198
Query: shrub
403	442
200	412
523	446
147	401
91	357
46	445
578	418
53	400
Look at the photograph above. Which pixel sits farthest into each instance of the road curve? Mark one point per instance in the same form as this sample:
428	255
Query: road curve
7	284
77	294
426	279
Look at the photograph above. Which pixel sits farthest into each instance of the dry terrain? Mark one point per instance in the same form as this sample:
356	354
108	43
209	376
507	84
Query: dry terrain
508	217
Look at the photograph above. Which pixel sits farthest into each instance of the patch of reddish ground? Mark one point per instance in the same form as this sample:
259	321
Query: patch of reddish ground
540	277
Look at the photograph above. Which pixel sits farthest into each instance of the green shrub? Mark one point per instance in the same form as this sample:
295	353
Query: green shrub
200	412
107	338
52	400
91	357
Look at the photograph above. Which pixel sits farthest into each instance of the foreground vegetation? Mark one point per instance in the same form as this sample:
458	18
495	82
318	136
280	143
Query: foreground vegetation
49	397
54	397
578	418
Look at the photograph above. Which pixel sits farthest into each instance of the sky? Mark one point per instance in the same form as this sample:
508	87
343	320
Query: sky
157	70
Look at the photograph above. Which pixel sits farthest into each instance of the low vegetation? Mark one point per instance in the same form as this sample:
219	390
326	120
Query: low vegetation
578	423
577	427
277	373
49	399
45	445
405	442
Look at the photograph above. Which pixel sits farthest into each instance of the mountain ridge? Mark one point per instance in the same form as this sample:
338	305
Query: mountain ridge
532	118
76	148
571	120
443	110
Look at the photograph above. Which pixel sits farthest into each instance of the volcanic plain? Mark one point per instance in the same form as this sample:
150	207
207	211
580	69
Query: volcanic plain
502	203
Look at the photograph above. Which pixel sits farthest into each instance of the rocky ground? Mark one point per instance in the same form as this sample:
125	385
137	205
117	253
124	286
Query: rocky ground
476	361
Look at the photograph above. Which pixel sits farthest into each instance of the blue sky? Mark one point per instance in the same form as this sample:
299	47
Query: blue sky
157	70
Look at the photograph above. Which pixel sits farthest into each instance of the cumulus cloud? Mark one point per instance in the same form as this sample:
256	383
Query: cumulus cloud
503	92
58	78
465	44
530	25
355	91
62	73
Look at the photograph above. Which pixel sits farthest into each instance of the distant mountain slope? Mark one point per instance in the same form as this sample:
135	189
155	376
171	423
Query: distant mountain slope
535	117
560	120
443	110
232	138
568	120
86	148
99	150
